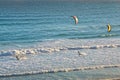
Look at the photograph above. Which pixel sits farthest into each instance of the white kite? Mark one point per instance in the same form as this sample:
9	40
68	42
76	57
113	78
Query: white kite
76	19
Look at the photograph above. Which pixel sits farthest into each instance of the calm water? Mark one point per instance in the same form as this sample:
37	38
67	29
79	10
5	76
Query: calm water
36	22
47	27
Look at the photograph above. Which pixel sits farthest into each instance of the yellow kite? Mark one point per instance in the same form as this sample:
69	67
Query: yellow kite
109	27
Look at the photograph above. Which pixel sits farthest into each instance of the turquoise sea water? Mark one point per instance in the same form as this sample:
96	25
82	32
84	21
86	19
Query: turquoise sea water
47	27
29	23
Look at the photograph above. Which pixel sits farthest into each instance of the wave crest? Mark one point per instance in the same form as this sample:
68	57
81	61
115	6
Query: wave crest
53	49
61	70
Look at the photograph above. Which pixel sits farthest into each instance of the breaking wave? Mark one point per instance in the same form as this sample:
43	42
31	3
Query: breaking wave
64	57
50	50
61	45
61	70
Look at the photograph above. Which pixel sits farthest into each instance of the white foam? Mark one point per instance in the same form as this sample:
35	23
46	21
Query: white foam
53	49
61	56
61	70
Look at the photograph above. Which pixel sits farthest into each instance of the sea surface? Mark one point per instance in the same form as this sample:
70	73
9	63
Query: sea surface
46	33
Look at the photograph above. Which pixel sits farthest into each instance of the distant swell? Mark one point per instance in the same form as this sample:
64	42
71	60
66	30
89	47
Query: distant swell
54	49
61	70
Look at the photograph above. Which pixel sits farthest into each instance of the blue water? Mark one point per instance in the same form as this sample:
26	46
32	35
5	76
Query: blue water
76	75
47	27
36	22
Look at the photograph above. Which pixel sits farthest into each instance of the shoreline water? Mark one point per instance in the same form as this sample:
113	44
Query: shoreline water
104	55
95	74
46	35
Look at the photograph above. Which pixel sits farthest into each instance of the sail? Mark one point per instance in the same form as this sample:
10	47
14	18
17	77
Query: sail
109	27
76	19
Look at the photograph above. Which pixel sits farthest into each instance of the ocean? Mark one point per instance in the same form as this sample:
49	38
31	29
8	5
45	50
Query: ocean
46	33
